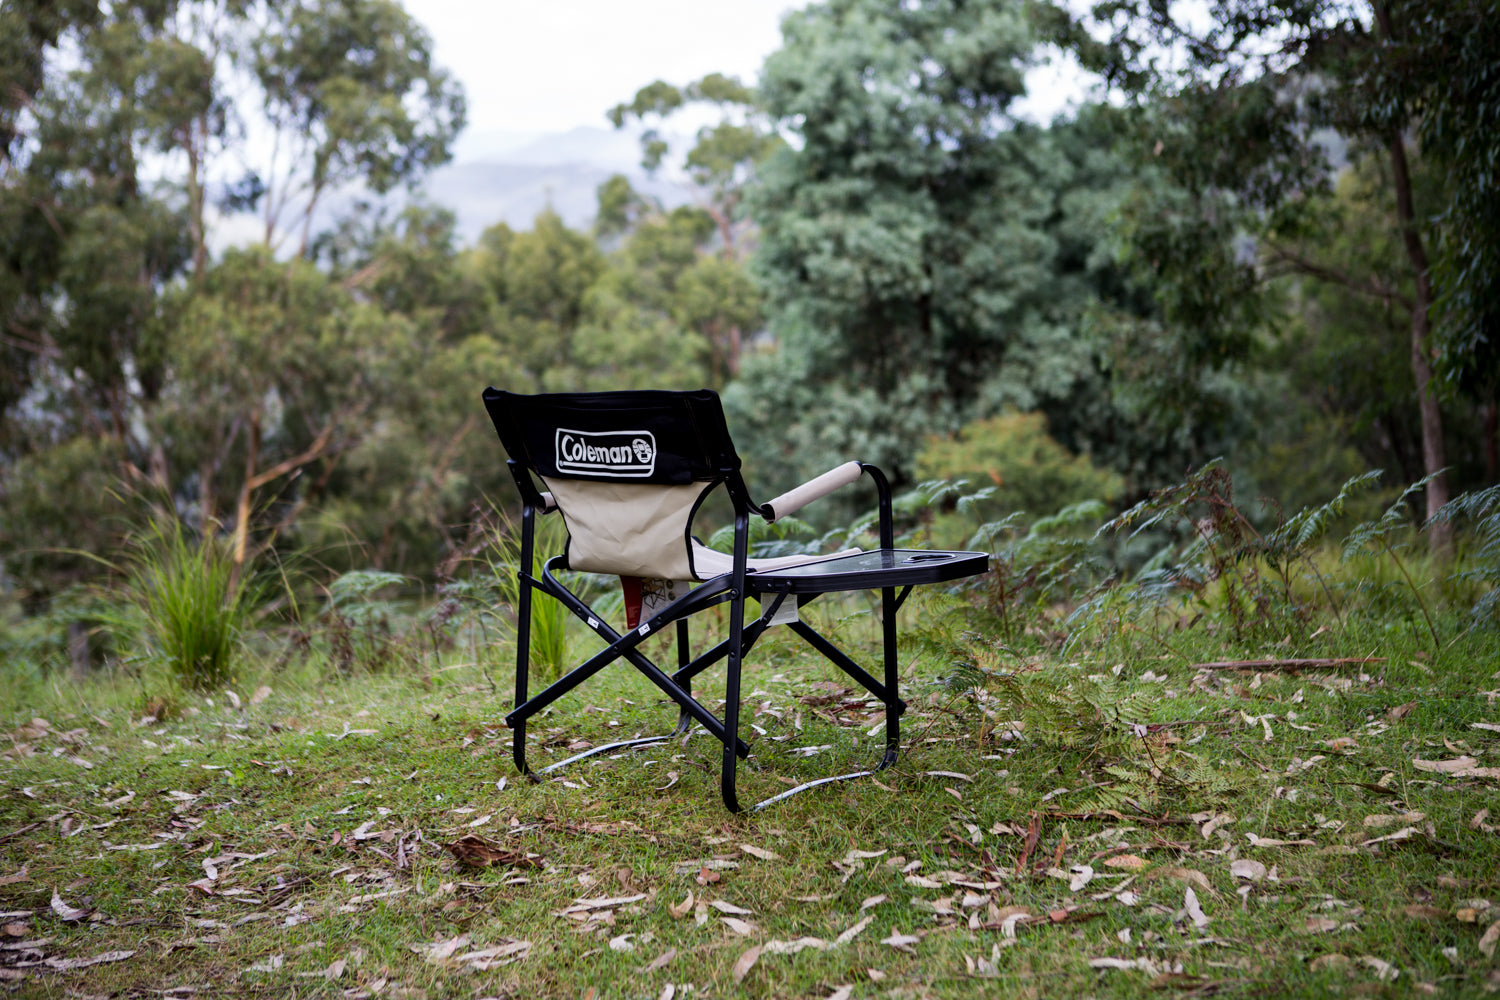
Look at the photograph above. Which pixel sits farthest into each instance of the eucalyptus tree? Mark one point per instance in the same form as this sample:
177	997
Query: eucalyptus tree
930	259
1240	105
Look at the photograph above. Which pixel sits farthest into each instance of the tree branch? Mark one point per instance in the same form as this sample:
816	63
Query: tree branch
1373	286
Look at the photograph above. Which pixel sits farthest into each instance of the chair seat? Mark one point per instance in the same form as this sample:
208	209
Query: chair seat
709	563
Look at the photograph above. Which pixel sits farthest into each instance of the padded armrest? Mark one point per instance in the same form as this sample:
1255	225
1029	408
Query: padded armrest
798	497
548	504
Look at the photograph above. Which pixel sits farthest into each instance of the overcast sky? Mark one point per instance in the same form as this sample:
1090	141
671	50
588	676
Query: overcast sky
533	66
536	66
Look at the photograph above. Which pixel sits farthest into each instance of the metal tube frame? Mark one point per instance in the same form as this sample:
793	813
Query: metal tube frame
733	588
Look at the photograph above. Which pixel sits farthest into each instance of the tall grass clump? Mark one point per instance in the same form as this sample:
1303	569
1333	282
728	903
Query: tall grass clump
190	603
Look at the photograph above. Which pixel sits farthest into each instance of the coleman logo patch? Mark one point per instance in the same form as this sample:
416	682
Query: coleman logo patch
610	453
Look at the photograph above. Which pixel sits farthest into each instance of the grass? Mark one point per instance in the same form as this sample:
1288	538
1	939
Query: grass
289	840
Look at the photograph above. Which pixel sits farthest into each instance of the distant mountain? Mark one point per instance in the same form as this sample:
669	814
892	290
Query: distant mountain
504	177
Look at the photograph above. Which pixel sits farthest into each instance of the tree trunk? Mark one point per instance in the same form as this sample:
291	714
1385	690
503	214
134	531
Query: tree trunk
1440	534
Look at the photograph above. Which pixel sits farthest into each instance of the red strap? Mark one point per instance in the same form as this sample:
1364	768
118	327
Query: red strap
632	587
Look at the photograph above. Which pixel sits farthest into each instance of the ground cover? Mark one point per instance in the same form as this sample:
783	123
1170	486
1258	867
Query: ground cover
1287	828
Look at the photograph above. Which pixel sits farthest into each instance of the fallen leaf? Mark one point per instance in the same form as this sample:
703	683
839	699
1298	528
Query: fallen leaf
1320	925
64	911
660	961
1190	875
1417	911
622	943
792	947
1257	841
1124	964
1332	960
730	908
760	852
260	695
65	964
900	941
1248	868
1401	711
1445	766
584	905
680	910
1383	969
854	931
741	927
1406	833
744	964
271	964
438	951
1129	862
841	993
873	901
1490	938
1194	910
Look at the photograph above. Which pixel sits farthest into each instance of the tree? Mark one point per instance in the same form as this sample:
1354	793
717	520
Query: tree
1237	109
350	87
929	260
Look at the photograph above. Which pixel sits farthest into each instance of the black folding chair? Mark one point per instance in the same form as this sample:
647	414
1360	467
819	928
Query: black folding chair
627	471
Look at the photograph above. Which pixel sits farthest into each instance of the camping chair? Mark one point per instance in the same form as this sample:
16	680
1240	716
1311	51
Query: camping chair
627	471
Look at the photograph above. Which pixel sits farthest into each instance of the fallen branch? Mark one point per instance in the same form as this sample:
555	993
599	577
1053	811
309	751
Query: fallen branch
1294	664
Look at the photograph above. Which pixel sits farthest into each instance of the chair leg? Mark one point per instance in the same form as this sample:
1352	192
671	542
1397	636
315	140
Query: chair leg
893	704
523	637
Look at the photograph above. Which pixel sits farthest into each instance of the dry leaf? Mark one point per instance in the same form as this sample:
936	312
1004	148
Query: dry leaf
66	964
441	950
621	943
680	910
741	927
584	905
792	947
901	941
1383	969
1320	925
660	961
1248	868
1257	841
841	993
744	964
854	931
1445	766
1195	911
64	911
873	901
1190	875
760	852
1406	833
272	964
1419	912
1401	711
1129	862
1491	937
730	908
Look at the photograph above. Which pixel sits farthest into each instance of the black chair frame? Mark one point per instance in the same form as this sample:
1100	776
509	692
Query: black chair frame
733	588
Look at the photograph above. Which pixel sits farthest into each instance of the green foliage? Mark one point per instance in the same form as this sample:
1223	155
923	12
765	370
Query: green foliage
191	603
1482	507
1030	471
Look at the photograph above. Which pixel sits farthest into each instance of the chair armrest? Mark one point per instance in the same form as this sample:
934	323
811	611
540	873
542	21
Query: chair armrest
798	497
548	504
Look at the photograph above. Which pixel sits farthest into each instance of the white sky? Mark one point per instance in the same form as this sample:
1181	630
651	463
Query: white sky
538	66
532	66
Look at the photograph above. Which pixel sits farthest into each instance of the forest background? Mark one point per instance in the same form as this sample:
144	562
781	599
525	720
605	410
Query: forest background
1272	237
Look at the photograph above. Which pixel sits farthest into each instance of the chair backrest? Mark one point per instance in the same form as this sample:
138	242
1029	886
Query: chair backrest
627	470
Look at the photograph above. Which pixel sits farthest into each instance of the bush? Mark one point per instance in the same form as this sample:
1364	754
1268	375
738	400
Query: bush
191	602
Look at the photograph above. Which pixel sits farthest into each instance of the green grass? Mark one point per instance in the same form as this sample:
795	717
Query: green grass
327	802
